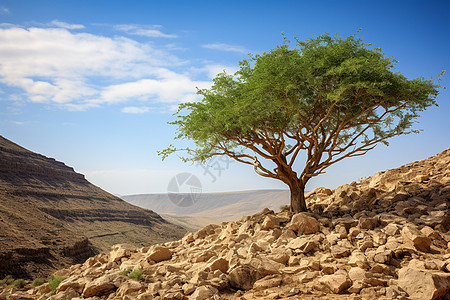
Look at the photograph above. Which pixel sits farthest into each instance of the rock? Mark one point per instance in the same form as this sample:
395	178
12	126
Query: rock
358	259
267	282
159	253
100	286
337	282
382	255
412	235
304	224
129	287
424	285
243	277
281	258
303	244
357	274
340	251
120	251
265	266
77	284
270	222
254	248
379	238
188	288
219	264
363	245
204	292
368	223
67	294
416	264
391	229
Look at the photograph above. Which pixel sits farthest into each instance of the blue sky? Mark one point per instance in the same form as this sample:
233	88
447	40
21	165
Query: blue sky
93	83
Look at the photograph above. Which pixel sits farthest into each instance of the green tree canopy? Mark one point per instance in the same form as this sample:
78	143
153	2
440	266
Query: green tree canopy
327	99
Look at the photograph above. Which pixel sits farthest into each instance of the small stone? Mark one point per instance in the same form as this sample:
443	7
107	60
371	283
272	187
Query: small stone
391	229
303	244
337	283
267	282
358	259
365	245
204	292
219	264
368	223
340	251
243	277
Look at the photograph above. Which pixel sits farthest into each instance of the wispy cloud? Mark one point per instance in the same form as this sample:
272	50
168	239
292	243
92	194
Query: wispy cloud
143	30
16	122
66	25
80	71
136	110
4	10
226	47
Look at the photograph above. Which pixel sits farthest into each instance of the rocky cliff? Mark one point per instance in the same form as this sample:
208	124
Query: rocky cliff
386	237
51	216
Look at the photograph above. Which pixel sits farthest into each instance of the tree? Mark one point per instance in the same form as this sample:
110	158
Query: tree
328	99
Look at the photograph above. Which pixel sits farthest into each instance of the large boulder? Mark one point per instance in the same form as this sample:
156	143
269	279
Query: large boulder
159	253
424	285
304	224
100	286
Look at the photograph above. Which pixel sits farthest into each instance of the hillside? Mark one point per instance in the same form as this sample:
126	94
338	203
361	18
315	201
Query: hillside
386	237
51	216
215	207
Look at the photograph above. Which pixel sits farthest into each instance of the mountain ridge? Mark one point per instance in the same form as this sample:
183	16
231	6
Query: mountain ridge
224	206
51	216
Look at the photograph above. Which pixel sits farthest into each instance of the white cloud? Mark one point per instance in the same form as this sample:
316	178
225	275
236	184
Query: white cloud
136	110
143	30
66	25
226	47
213	70
16	122
79	71
170	88
4	11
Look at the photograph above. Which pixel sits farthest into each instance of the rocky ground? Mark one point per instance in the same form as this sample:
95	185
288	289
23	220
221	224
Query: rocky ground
386	237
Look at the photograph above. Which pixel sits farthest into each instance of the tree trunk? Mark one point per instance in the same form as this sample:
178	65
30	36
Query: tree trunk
298	203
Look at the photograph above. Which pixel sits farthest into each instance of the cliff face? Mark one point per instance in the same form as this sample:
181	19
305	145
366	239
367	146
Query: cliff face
51	216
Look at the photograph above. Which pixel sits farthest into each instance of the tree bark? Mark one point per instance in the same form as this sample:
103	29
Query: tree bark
298	203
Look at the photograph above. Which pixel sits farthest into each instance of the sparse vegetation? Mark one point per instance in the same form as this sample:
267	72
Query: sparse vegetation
38	282
135	274
19	283
283	207
8	280
54	281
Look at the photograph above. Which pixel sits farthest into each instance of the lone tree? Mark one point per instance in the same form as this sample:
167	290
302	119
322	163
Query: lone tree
329	98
